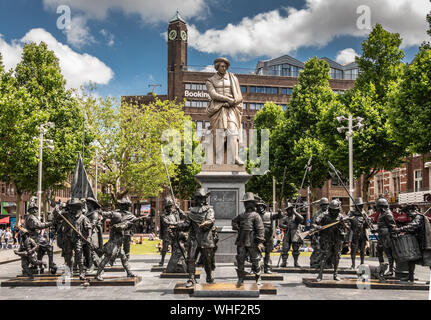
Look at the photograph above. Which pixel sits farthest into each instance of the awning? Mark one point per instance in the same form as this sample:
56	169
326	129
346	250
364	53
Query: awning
4	220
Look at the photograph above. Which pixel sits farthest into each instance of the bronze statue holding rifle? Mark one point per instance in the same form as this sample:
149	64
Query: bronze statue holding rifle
333	227
315	238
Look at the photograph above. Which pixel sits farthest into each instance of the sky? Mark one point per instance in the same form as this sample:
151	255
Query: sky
121	45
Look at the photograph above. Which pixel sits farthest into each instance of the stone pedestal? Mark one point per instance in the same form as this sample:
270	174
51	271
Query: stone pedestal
227	186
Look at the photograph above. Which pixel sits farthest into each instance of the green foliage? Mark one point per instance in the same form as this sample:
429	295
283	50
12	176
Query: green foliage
374	146
40	74
294	135
30	97
411	105
380	62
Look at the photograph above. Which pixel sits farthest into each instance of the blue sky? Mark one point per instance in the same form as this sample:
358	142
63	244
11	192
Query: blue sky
120	44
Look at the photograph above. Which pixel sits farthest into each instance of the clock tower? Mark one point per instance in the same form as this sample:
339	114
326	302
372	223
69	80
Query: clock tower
177	56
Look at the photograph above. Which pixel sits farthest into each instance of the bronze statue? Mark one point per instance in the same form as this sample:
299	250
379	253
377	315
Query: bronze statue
94	215
416	242
114	247
27	252
358	232
315	238
251	238
268	219
291	223
331	238
385	228
225	111
199	223
34	227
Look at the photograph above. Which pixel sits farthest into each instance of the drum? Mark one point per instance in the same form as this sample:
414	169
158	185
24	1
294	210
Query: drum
406	248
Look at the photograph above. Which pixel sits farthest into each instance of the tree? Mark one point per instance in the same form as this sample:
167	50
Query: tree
298	137
375	148
19	119
40	74
410	107
128	139
380	63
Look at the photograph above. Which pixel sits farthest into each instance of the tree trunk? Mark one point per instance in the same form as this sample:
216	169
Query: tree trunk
18	207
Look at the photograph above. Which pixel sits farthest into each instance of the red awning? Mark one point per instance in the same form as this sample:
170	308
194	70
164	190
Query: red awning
4	220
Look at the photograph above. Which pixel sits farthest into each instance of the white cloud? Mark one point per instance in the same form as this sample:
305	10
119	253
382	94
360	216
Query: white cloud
283	31
11	53
109	37
78	34
346	56
150	11
78	69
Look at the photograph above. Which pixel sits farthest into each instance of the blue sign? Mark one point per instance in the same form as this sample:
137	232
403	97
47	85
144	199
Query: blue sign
12	221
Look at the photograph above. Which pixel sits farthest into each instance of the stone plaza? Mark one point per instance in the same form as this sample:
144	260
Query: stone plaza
152	287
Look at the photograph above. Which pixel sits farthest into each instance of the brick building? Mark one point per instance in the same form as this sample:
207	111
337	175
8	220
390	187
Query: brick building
408	184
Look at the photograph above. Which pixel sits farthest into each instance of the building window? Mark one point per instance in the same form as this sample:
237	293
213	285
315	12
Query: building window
418	180
379	181
196	103
244	89
396	181
256	106
199	128
284	106
264	90
286	91
351	74
195	86
336	73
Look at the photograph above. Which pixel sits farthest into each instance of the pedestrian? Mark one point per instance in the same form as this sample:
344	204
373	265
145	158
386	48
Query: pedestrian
1	237
7	237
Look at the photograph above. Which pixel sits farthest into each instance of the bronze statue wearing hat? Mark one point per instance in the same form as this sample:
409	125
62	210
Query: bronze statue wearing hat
251	238
199	223
268	218
315	238
331	239
291	223
224	112
358	232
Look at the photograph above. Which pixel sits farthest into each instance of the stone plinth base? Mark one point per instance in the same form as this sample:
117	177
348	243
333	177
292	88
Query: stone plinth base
55	281
312	270
266	277
363	285
166	275
157	268
226	290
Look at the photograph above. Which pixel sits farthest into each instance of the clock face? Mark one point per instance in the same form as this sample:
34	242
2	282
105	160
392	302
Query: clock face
183	35
172	34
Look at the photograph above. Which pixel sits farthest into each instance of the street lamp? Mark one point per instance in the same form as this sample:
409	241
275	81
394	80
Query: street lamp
349	137
43	129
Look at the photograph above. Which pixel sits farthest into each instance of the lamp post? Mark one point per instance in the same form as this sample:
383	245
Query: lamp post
43	130
349	137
